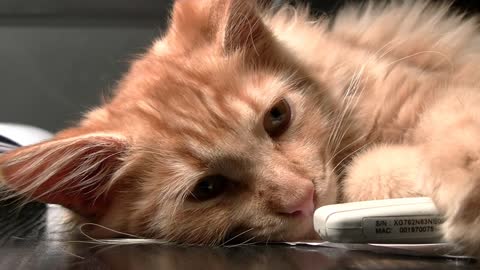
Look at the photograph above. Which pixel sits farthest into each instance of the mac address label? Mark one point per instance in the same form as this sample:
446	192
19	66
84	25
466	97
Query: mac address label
402	227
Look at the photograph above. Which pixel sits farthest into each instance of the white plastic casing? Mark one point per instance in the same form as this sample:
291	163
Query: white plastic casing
399	221
23	134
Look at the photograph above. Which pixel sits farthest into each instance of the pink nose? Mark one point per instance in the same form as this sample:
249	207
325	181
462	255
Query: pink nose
300	206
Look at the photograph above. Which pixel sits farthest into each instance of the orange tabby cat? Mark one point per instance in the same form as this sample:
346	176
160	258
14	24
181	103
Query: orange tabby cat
238	122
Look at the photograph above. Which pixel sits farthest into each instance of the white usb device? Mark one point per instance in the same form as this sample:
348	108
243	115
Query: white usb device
393	221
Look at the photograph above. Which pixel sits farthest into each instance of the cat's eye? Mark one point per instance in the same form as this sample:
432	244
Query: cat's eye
277	119
209	187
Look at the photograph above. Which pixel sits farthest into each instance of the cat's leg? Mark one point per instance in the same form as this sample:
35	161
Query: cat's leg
384	172
442	161
448	138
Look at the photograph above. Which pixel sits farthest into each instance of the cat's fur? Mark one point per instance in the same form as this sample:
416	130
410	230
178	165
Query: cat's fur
386	104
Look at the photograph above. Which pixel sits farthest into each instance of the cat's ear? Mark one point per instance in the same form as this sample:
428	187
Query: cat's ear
75	171
231	24
243	28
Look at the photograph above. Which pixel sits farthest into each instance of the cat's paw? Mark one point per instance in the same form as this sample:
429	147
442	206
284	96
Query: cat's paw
383	172
453	181
462	213
462	226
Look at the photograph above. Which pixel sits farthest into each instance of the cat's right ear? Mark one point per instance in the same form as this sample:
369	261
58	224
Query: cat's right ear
76	171
228	25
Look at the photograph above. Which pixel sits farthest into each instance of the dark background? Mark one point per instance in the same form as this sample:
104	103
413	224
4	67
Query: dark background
59	56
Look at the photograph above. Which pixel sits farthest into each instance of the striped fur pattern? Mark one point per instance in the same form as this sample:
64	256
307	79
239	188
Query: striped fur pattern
374	93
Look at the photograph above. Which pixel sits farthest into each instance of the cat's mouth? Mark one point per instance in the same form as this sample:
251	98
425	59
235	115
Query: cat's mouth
296	227
301	227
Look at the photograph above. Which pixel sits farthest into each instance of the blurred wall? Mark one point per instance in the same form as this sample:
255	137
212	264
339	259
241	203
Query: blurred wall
57	57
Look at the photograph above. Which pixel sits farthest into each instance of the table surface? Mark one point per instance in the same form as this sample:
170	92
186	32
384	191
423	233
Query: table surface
28	241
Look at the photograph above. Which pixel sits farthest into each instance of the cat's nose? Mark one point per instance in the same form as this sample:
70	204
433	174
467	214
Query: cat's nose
301	206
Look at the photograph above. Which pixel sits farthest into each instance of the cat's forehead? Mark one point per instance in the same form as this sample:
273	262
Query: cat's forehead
210	93
220	78
200	107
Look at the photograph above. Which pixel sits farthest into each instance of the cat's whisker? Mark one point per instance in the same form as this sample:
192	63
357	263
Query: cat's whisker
281	238
268	239
333	133
225	233
350	123
104	248
444	56
237	236
388	50
354	85
244	243
337	122
251	39
81	229
181	196
352	154
334	138
72	254
332	158
349	107
84	242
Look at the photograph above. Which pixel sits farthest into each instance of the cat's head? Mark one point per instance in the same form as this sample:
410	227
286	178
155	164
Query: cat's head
215	132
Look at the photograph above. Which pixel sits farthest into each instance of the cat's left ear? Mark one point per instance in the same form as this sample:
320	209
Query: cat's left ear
230	24
76	171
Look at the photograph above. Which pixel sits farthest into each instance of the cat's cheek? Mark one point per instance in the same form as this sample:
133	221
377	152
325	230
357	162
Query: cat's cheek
326	188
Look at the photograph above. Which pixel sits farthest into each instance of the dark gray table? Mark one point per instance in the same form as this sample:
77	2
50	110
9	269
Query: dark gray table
29	241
